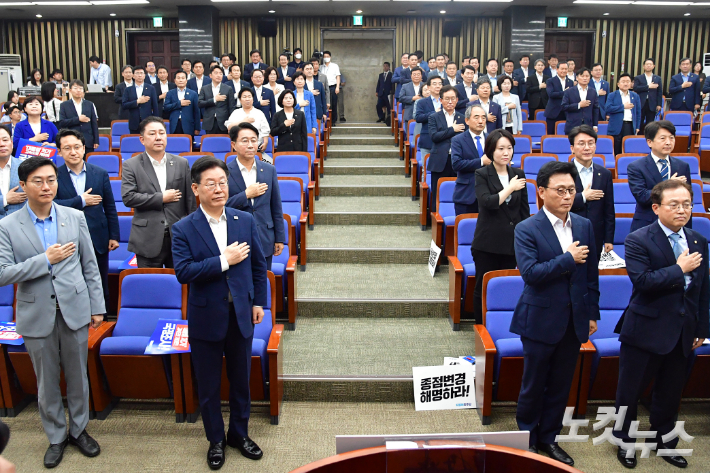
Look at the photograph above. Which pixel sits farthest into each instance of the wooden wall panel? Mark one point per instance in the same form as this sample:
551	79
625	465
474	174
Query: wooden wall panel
630	42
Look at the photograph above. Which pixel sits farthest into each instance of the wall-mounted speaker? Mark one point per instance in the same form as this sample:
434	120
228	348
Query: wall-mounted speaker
451	28
267	27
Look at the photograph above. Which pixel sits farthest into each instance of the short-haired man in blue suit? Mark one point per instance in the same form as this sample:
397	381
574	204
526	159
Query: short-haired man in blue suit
667	317
467	155
559	307
623	107
284	73
443	126
255	64
87	188
601	87
217	251
645	173
12	198
410	93
685	89
556	86
397	74
594	199
494	114
520	75
181	104
254	188
467	89
580	103
140	100
318	90
200	79
426	108
263	98
649	86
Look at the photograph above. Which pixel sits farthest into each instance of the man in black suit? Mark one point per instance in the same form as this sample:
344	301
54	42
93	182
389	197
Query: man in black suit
443	125
236	83
594	199
649	86
217	102
162	87
508	66
255	64
140	100
79	114
87	188
521	75
382	92
556	87
127	74
451	78
467	89
667	316
264	98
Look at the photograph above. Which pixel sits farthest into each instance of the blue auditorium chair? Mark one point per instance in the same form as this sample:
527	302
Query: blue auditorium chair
602	128
683	122
443	216
701	223
178	144
531	187
218	145
104	144
298	164
7	299
121	254
525	108
531	163
409	145
540	116
635	144
624	200
524	112
704	144
415	166
560	128
120	207
698	206
292	204
193	156
622	163
284	268
130	145
462	270
535	130
425	195
109	161
694	162
145	295
605	148
523	145
553	144
316	168
622	228
118	129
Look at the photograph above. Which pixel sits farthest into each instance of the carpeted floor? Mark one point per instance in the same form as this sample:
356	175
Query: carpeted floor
143	437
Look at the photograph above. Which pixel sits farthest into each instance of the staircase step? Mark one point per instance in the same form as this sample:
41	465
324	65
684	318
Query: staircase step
364	129
357	210
384	140
365	360
364	185
362	166
362	151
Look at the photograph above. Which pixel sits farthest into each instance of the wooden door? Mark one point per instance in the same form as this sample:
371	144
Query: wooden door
570	46
162	49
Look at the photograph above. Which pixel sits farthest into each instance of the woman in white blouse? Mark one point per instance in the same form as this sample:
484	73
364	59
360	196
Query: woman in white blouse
277	89
510	106
51	102
251	115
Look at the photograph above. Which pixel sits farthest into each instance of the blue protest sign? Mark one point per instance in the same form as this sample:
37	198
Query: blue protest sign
9	335
169	336
28	149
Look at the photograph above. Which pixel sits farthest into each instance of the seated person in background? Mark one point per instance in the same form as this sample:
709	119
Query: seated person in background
35	128
289	125
249	114
13	113
12	198
36	78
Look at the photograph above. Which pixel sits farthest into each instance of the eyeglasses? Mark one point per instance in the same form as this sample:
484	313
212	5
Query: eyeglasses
674	206
39	183
211	185
561	191
449	99
68	149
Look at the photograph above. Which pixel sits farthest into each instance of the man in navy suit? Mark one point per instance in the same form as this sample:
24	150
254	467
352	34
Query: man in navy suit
318	90
685	89
263	98
140	100
467	156
667	316
649	87
427	107
467	89
236	83
218	253
200	78
86	187
254	188
80	114
645	173
552	63
493	111
217	103
623	108
410	93
556	87
443	126
285	73
559	307
520	75
594	199
397	74
580	103
601	87
181	104
255	64
508	71
383	90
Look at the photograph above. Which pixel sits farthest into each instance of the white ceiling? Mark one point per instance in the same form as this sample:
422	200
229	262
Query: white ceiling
453	8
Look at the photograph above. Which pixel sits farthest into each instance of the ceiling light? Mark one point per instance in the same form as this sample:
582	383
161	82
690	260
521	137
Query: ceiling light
118	2
15	4
111	14
411	11
606	14
358	11
272	11
442	11
605	2
68	3
38	15
669	4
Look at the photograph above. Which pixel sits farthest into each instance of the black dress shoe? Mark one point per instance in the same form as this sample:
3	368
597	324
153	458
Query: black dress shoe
626	462
342	119
532	449
245	445
86	444
677	461
380	120
215	455
555	452
54	454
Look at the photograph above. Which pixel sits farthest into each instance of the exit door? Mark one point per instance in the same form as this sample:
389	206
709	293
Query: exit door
162	49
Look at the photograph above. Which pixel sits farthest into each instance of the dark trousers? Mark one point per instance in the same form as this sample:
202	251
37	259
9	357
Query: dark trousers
269	259
637	368
435	176
552	121
461	209
627	129
647	116
333	104
486	262
102	261
207	361
164	258
178	128
383	102
547	378
684	107
216	130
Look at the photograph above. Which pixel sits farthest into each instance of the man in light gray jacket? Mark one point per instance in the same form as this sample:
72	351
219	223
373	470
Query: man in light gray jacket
46	250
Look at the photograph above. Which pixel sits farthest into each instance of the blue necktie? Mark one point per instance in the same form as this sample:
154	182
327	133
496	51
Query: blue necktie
479	147
664	169
677	251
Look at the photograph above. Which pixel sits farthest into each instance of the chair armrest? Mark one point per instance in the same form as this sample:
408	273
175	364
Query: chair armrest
99	392
587	348
311	200
455	288
291	289
303	220
423	204
485	353
103	331
276	379
437	228
275	339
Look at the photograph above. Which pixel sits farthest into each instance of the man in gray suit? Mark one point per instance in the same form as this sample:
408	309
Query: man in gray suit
46	250
157	186
411	92
217	103
11	196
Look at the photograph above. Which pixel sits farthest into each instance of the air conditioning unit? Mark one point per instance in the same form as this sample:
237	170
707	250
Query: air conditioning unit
706	64
10	74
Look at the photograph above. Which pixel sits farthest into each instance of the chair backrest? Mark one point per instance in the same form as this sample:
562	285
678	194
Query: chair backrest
621	230
445	197
540	115
624	200
218	145
524	106
693	162
109	161
524	112
465	227
118	129
605	146
634	144
501	295
698	206
535	130
291	190
410	130
602	127
614	295
116	189
701	224
178	144
130	144
683	122
560	128
269	145
622	164
523	145
553	144
705	119
193	156
7	298
531	187
294	164
104	144
146	296
531	163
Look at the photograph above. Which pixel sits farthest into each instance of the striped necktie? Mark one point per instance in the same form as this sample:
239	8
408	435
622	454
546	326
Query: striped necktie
664	169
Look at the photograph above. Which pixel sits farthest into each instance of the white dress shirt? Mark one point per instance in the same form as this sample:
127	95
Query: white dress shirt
468	89
161	170
139	90
257	90
260	122
486	105
452	80
586	175
331	71
5	181
540	80
582	92
219	231
164	87
525	72
649	78
181	96
215	91
659	165
77	107
563	230
249	176
198	81
626	98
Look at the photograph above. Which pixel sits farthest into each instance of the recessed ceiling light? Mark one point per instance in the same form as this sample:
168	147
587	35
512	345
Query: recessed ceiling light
272	11
111	14
686	14
442	11
606	14
38	15
411	11
358	11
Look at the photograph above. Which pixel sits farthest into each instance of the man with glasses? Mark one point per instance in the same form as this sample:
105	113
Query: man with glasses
658	166
559	307
87	188
667	317
218	253
254	188
46	250
594	199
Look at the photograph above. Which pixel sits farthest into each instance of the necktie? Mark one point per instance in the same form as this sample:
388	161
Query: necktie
677	250
479	148
664	169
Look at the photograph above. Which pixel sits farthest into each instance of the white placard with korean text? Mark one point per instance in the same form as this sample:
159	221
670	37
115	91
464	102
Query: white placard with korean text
444	387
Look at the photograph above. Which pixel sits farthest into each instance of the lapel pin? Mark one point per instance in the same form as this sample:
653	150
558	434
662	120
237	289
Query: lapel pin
63	225
171	163
599	174
261	170
696	242
236	218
